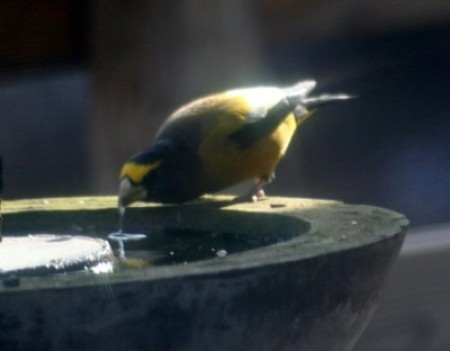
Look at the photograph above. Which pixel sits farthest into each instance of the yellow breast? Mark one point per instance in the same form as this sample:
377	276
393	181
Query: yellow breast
225	163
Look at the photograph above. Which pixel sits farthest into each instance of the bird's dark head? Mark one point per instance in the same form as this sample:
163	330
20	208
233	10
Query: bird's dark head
140	175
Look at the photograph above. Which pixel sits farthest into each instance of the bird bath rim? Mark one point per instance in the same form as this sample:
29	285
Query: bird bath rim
352	227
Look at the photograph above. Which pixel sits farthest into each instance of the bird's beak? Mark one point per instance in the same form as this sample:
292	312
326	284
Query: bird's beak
129	193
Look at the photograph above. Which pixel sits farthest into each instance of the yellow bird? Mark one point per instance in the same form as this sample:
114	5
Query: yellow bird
218	141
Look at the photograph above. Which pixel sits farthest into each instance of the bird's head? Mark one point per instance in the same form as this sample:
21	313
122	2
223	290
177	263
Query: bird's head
138	177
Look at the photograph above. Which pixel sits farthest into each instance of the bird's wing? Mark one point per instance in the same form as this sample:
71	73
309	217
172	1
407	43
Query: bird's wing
244	116
220	113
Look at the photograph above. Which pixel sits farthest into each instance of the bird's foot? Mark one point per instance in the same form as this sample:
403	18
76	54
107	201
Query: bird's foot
254	195
257	194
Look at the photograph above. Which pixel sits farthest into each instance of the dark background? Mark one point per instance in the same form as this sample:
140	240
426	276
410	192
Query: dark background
85	84
390	147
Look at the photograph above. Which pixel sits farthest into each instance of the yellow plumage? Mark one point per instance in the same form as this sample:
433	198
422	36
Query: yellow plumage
218	141
225	163
136	172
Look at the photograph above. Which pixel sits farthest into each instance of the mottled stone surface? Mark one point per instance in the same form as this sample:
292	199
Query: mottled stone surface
313	287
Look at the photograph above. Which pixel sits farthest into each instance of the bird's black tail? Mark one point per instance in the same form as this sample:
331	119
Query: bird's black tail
311	103
297	97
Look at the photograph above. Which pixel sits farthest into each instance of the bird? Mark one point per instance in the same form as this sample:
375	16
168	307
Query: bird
218	141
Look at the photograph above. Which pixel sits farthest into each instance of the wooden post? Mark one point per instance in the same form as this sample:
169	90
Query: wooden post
150	57
1	196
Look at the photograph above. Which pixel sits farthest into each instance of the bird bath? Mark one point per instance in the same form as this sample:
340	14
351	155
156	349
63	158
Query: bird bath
280	274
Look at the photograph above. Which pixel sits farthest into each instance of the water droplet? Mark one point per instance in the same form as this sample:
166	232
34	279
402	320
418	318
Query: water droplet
221	253
121	218
120	238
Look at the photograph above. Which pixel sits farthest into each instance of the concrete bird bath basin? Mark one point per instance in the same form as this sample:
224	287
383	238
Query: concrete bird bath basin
280	274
